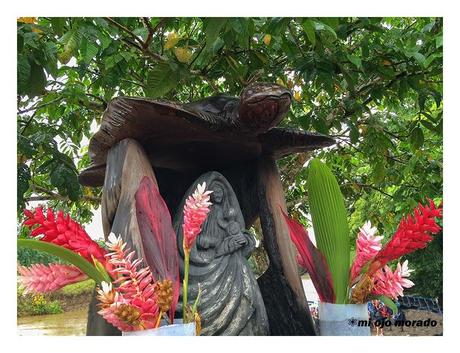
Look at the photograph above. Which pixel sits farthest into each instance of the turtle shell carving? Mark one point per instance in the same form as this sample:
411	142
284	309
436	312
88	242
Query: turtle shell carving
213	133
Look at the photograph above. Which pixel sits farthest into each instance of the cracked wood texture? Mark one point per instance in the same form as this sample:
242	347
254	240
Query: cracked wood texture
281	286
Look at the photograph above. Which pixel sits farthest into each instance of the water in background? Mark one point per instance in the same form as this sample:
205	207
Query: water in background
72	323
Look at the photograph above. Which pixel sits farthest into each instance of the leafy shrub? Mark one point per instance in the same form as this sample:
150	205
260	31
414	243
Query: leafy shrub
36	304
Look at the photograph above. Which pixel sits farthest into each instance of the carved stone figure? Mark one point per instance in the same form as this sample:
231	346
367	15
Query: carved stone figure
230	301
176	143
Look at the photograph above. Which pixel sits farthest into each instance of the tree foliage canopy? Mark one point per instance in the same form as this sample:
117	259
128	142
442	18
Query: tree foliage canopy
375	84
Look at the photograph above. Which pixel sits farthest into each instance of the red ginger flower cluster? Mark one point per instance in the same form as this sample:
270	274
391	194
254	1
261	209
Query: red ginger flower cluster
413	233
195	212
132	304
44	279
63	231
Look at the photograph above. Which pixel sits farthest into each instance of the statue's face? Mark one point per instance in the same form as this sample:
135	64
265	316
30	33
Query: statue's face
217	195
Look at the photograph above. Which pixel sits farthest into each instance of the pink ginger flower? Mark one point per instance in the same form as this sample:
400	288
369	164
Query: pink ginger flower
44	279
132	303
195	212
367	246
392	284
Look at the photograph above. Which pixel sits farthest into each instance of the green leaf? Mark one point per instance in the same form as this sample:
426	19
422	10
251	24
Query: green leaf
319	125
23	74
329	218
58	24
320	26
439	41
428	125
37	81
388	302
23	183
89	51
212	30
161	80
416	137
309	28
379	172
355	61
420	58
64	254
332	22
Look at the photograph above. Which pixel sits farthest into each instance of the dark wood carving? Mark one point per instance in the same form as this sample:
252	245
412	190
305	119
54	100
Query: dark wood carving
281	286
176	143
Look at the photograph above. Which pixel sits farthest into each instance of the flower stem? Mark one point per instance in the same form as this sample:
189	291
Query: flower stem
185	283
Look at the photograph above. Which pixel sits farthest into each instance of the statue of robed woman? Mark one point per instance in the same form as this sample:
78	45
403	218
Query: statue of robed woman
230	301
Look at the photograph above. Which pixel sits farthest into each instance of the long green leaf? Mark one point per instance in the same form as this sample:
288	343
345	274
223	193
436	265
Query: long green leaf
66	255
329	218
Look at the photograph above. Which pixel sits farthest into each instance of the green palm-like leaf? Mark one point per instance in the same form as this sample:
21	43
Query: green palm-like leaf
329	218
66	255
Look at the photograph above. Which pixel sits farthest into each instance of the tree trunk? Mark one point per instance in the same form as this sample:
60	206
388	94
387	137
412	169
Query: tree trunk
281	286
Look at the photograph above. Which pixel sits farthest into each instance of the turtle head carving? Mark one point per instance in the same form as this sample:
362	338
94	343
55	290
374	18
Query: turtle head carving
263	105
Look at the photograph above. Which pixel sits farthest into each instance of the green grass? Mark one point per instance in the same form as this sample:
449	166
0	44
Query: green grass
75	289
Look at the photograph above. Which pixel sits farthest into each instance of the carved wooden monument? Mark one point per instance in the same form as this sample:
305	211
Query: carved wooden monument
233	144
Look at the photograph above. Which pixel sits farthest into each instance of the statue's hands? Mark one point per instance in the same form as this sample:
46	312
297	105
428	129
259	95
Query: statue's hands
232	244
236	242
240	239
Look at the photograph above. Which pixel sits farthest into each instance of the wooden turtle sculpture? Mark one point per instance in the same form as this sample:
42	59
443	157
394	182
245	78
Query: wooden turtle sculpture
176	143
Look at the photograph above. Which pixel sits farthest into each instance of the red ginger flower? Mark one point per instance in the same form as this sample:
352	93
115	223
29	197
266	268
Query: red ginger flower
390	283
195	212
413	233
63	231
44	279
132	304
367	246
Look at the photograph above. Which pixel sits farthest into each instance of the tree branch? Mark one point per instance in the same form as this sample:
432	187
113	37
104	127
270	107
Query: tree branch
36	107
61	198
374	188
124	29
140	46
152	30
51	195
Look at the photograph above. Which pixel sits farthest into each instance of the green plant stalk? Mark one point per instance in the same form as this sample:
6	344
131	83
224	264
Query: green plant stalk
66	255
330	224
185	283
